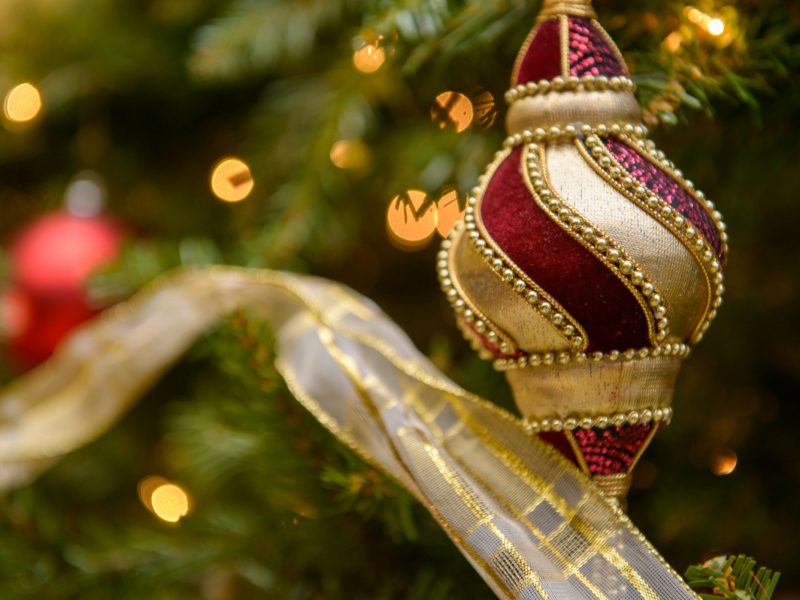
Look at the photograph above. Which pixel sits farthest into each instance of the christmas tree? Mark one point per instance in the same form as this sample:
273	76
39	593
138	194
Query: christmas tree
339	138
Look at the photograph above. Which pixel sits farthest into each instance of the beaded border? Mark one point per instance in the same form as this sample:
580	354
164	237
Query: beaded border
676	350
604	162
465	308
572	83
634	417
600	244
624	129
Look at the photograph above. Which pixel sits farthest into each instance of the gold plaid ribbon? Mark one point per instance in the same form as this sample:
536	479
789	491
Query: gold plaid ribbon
530	523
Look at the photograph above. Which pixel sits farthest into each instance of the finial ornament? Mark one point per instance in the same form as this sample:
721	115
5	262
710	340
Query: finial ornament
587	265
577	8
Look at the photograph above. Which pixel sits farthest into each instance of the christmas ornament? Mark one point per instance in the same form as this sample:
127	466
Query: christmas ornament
587	264
50	261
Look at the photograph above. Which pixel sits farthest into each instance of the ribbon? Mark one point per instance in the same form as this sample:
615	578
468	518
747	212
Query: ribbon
529	522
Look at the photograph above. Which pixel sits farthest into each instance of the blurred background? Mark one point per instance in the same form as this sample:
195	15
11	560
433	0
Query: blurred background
338	137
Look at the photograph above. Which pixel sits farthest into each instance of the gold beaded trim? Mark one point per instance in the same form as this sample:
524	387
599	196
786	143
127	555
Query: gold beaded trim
571	132
570	84
608	167
676	350
597	242
648	148
464	308
656	415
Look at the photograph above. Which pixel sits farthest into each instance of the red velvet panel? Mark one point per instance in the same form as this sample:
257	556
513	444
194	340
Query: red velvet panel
542	59
590	52
666	188
612	450
559	441
575	277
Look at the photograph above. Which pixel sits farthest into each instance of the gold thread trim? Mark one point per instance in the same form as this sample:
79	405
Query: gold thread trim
563	22
522	52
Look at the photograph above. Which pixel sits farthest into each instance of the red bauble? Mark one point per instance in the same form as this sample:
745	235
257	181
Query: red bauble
56	253
51	260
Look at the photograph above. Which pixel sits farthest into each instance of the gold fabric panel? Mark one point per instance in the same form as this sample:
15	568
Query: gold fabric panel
528	520
571	107
662	257
495	299
592	389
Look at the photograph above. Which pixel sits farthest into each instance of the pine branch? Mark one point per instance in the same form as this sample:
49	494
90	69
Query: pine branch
732	578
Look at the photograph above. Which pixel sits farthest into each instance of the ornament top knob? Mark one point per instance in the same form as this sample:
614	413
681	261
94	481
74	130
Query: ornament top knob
577	8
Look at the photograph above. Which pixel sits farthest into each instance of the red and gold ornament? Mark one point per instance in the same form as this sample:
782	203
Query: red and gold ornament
587	265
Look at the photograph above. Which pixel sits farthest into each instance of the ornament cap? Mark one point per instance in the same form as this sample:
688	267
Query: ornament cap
577	8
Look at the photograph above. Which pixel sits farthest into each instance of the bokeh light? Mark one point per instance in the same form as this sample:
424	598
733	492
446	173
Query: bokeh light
411	219
85	195
231	180
449	212
369	58
22	103
715	27
166	500
349	154
485	109
724	462
452	110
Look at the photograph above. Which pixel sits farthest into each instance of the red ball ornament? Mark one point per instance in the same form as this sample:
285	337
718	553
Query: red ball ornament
51	260
56	253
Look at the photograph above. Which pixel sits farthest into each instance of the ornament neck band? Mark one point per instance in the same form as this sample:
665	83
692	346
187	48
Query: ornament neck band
577	8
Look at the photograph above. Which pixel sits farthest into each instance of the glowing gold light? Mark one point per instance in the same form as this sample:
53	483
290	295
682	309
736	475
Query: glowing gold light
452	109
485	109
411	219
349	154
724	462
231	180
449	213
715	26
166	500
694	15
673	41
369	58
22	103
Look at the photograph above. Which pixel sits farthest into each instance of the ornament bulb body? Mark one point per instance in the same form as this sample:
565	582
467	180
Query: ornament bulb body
587	265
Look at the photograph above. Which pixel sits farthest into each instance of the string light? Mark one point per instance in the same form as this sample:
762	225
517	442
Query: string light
369	58
449	213
411	219
715	27
724	462
22	103
452	109
231	180
166	500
